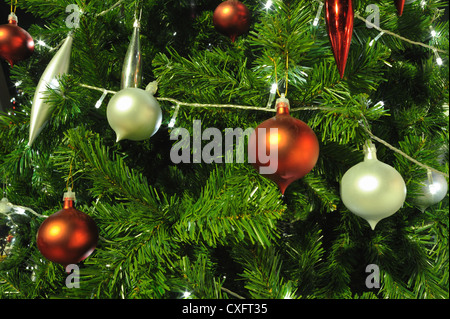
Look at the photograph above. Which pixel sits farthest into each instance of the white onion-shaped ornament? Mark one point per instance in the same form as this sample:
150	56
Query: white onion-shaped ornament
372	189
134	114
433	190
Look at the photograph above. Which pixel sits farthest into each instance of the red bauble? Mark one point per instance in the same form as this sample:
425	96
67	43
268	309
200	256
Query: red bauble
297	144
68	236
400	4
339	18
16	44
231	18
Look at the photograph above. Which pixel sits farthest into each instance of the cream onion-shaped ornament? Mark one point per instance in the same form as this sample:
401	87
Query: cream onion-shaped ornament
372	189
433	190
134	114
41	110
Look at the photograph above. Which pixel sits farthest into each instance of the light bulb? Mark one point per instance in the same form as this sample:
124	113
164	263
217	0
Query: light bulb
186	294
268	4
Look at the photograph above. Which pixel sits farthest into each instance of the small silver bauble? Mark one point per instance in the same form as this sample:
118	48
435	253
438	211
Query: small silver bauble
433	190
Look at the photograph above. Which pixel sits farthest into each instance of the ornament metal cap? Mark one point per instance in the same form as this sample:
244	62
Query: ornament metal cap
284	100
136	23
69	195
370	151
12	18
282	105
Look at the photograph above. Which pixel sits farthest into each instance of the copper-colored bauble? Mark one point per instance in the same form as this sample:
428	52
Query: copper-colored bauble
68	236
16	44
231	18
339	17
298	147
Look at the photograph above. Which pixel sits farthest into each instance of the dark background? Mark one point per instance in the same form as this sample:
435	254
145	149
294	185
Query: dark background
7	88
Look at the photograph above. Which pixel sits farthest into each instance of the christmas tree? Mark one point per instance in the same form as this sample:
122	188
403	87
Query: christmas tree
197	225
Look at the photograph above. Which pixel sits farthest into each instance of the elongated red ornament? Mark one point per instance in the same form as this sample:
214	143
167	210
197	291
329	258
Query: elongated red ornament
339	18
399	4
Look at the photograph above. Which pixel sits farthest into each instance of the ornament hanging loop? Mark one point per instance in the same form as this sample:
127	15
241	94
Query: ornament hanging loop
13	6
70	177
286	74
136	9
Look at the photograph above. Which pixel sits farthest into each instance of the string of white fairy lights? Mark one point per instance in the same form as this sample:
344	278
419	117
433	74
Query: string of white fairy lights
6	206
7	209
255	108
364	124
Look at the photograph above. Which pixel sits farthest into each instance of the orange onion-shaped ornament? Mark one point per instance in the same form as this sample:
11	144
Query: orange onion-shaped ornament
67	236
16	44
283	149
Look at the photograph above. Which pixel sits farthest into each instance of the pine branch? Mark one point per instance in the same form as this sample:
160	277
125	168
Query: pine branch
111	176
216	217
262	272
198	281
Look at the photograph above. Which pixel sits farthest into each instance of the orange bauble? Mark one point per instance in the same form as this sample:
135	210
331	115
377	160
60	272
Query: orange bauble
16	44
296	143
231	18
68	236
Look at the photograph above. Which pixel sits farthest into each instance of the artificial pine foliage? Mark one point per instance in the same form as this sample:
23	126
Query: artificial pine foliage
221	230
